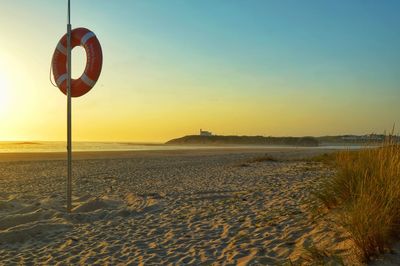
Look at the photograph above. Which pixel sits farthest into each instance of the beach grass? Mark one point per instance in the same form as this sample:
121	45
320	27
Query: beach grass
366	193
265	158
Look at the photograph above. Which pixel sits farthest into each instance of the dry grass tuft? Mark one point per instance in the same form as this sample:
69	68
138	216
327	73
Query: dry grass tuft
366	190
326	158
315	256
264	158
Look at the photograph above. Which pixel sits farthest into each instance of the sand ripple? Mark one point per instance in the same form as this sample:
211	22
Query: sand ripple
199	210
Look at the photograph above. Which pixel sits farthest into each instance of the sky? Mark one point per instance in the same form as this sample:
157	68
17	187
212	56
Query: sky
258	67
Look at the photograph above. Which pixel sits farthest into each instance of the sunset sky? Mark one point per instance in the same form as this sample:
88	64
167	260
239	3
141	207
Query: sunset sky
233	67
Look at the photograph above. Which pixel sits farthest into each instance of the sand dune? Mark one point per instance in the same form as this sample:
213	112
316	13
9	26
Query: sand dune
200	209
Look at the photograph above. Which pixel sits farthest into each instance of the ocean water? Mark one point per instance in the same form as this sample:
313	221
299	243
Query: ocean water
60	146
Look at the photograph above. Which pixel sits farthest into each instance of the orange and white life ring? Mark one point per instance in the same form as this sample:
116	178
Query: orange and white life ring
88	40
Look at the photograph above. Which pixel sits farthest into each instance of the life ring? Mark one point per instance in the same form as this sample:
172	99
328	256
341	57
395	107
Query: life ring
94	61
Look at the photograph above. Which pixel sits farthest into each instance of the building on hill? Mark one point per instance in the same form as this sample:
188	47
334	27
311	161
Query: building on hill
205	133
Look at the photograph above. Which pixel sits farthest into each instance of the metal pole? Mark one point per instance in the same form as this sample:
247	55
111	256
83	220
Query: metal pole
69	135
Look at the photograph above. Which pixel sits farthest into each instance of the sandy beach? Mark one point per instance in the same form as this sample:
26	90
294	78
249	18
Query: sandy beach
171	207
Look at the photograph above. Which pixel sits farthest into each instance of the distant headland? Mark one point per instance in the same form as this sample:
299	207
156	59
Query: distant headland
244	140
207	138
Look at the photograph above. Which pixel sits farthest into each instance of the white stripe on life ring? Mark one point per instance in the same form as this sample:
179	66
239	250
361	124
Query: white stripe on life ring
87	80
61	79
86	37
84	78
61	48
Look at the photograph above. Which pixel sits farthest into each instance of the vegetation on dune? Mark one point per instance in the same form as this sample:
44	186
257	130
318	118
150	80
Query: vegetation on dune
244	140
366	193
326	158
264	158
